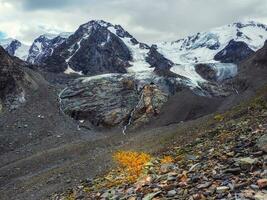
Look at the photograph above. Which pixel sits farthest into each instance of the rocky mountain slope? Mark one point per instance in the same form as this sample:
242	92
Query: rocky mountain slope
14	81
204	79
226	160
34	133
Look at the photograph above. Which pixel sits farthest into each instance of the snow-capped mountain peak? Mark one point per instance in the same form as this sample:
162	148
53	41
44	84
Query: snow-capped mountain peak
44	45
97	24
98	47
15	48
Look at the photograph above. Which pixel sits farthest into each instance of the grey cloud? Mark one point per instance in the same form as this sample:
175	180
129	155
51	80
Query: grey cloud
45	4
148	20
49	4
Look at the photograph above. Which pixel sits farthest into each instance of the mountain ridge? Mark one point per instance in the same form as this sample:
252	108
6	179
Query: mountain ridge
111	49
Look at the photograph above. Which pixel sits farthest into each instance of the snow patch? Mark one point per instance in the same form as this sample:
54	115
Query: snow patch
69	70
139	54
90	78
22	52
188	71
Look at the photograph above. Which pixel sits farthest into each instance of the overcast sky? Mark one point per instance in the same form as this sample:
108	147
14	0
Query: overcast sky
148	20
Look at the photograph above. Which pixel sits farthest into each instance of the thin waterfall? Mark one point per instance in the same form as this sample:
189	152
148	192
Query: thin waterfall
60	100
132	113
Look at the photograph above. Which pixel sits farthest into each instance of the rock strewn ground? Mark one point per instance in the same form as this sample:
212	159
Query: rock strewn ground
226	162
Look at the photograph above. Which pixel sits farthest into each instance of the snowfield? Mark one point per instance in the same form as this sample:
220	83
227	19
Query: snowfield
202	47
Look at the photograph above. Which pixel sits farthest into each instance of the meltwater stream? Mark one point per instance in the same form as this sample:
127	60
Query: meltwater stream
132	113
60	100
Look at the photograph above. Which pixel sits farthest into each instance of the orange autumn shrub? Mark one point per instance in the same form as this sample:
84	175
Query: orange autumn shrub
132	163
167	160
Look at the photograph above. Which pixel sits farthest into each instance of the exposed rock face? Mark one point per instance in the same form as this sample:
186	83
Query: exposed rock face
253	71
216	72
161	64
152	99
257	61
213	89
206	72
234	52
112	100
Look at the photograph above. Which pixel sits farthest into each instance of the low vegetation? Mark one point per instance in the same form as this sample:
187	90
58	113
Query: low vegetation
131	163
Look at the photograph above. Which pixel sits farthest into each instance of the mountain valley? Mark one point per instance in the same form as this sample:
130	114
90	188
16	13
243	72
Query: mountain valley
69	101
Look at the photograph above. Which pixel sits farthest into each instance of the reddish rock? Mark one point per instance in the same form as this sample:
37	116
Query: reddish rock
262	183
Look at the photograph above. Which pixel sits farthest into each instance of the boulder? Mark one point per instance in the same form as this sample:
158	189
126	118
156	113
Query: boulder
262	143
260	196
246	162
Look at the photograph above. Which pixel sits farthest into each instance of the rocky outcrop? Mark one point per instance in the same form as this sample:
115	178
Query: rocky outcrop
213	89
216	72
149	105
206	72
161	64
258	61
108	101
234	52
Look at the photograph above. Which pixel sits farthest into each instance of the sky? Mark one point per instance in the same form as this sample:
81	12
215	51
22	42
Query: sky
148	20
2	35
